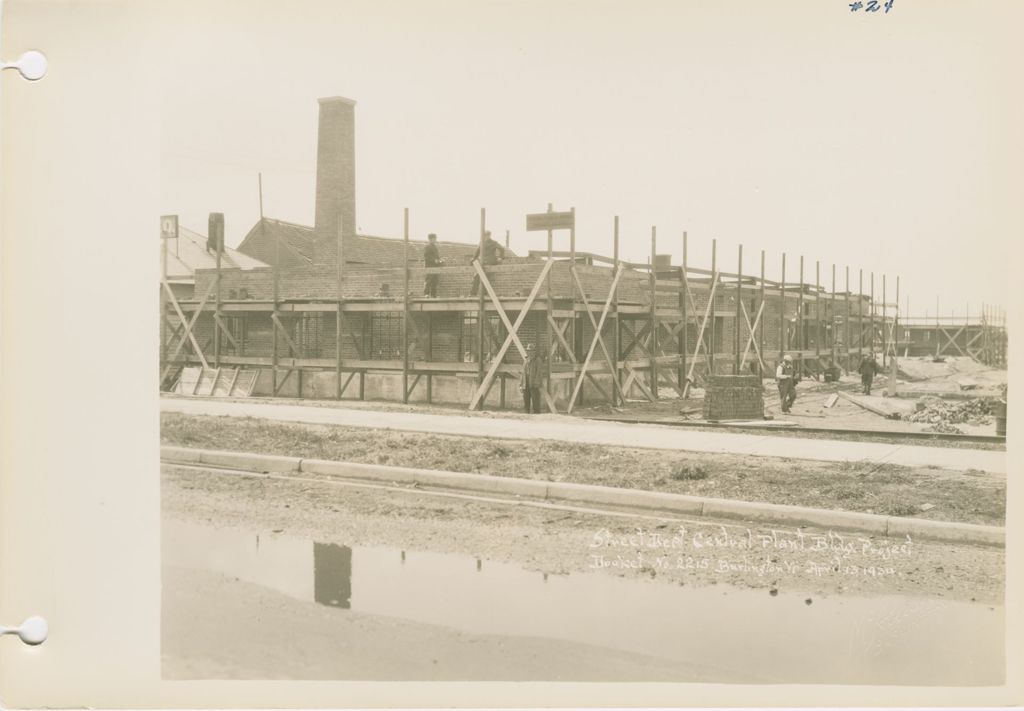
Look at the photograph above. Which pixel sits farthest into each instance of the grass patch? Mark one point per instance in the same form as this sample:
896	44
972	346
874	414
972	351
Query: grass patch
851	486
690	471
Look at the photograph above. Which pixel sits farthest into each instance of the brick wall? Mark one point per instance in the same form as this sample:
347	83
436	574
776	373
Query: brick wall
733	397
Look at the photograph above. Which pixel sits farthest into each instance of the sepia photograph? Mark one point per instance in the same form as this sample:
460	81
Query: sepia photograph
586	342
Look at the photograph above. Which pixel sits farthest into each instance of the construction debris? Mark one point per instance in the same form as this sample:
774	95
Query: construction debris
943	416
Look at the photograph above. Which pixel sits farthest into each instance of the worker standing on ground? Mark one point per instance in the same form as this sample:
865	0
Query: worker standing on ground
431	260
868	368
531	380
489	253
785	378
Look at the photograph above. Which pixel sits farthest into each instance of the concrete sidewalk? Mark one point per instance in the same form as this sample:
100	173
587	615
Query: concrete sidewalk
566	429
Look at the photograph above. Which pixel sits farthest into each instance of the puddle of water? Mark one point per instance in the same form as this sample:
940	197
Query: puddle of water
747	633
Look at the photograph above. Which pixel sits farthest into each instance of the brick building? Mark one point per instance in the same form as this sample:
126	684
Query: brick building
312	324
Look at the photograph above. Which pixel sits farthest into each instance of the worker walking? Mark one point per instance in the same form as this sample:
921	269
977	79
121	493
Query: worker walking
531	380
431	260
868	368
488	253
785	378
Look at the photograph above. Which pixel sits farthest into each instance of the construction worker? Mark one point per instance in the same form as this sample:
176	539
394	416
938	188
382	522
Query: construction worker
785	378
531	380
868	368
431	260
488	253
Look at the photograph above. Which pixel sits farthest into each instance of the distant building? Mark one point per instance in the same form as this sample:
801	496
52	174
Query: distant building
188	253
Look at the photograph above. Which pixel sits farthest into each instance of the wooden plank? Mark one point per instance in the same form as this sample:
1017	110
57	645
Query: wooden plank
700	336
612	291
234	381
639	383
217	319
751	341
868	406
287	339
559	334
348	380
512	334
190	324
596	340
412	387
287	374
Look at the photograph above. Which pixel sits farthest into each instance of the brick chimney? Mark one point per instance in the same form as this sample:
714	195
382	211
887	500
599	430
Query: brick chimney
335	168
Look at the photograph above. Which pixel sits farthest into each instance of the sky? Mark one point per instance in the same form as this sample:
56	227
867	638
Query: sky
885	142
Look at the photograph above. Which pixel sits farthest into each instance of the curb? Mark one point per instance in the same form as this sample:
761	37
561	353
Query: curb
600	495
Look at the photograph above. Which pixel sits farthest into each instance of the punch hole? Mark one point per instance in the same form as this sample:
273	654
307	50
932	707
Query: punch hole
31	65
32	631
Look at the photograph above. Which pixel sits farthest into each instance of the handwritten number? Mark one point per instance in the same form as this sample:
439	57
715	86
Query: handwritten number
872	6
888	5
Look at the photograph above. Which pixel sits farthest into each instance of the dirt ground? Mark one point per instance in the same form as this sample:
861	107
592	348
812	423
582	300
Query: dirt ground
375	648
560	541
960	377
938	494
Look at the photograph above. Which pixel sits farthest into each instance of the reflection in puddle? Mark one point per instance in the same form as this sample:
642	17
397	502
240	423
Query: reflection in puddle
745	633
332	575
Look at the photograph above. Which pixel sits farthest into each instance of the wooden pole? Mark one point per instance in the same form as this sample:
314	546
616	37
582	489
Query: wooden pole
817	314
550	312
506	247
782	310
339	322
163	305
654	314
480	310
714	270
801	340
681	344
871	318
760	327
896	323
219	246
846	321
832	320
277	295
616	332
739	311
860	317
572	268
405	305
430	356
885	323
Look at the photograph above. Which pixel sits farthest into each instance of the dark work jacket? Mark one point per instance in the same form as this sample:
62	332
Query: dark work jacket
492	250
533	373
431	256
868	366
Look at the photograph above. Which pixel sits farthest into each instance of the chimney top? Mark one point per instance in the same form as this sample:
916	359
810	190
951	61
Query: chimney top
336	99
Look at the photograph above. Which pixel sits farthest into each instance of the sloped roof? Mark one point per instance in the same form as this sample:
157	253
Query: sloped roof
367	249
358	249
297	239
188	253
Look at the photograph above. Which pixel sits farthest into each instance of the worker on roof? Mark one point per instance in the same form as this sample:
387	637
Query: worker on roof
868	368
488	254
431	260
785	378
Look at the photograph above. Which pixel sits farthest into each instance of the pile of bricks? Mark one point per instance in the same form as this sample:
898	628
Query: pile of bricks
733	397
